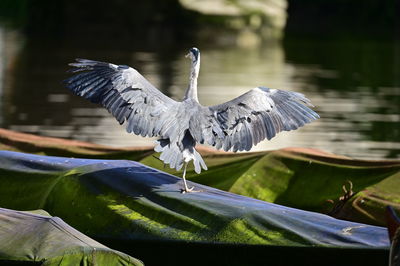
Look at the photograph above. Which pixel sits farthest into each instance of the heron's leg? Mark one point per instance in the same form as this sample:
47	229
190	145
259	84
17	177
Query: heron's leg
186	189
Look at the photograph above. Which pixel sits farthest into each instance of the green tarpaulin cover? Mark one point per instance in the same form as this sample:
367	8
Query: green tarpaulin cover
131	207
31	237
127	200
302	178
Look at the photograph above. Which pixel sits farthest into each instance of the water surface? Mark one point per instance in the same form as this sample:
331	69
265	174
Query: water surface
354	84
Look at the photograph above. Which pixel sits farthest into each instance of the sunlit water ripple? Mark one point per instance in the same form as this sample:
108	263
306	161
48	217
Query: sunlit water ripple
359	116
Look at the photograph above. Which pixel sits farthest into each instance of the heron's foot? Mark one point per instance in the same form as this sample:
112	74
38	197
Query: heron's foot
189	190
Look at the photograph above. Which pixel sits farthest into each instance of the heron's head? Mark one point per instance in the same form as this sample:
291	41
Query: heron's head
194	54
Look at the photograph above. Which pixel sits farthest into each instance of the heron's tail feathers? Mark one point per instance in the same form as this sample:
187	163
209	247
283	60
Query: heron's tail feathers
173	155
198	162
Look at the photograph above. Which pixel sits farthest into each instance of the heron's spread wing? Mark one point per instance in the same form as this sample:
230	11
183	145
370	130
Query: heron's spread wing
126	94
250	118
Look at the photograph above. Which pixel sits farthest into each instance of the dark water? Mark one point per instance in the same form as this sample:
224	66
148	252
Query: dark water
354	84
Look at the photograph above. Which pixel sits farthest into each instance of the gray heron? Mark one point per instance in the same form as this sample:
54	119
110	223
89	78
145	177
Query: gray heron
236	125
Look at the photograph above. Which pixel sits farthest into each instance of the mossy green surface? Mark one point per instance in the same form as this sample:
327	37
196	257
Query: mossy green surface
121	199
300	178
33	237
304	179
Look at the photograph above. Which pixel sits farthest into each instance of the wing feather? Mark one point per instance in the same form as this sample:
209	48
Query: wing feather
252	117
124	92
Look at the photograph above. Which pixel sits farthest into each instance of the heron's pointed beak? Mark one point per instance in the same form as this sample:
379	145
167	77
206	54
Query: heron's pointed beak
188	55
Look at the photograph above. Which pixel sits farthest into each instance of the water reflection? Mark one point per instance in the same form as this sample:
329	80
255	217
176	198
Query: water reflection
2	68
358	107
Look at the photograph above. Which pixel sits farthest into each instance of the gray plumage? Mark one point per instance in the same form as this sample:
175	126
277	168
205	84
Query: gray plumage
236	125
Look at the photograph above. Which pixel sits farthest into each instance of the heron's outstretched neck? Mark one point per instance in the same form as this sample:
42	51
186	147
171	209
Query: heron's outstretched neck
191	92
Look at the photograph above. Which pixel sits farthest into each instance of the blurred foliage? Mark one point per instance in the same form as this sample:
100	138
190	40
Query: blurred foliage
131	17
14	12
80	16
343	17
